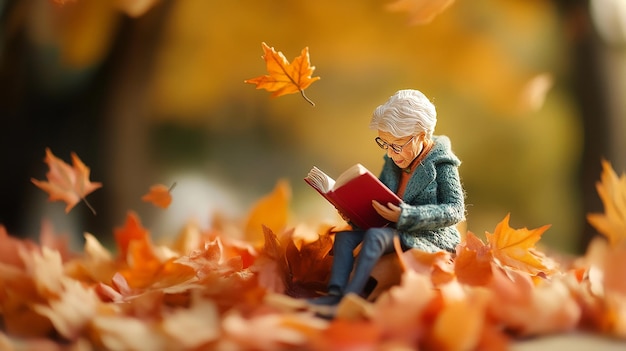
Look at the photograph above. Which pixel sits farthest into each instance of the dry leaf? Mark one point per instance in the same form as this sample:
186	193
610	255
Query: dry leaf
71	312
526	308
614	291
263	331
344	334
459	324
270	211
515	248
420	11
11	247
159	195
284	77
437	265
65	183
612	192
119	332
271	266
210	290
399	311
309	265
193	327
472	264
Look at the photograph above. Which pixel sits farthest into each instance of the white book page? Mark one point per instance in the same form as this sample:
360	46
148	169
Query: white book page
320	180
350	174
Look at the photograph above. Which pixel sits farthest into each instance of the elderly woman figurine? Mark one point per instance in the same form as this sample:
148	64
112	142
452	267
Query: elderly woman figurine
423	171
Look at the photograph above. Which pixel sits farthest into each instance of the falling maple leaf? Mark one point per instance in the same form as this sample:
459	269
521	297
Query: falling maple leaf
159	195
515	248
65	183
420	11
284	77
612	192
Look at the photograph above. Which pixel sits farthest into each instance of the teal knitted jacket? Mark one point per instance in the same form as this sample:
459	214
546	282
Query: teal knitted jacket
433	202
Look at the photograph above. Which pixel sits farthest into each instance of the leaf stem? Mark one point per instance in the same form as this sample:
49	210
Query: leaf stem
89	205
171	187
306	98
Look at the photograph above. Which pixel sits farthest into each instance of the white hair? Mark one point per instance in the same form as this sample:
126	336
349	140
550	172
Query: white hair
407	112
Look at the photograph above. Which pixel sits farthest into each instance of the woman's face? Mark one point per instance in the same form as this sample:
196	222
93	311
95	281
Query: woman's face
411	147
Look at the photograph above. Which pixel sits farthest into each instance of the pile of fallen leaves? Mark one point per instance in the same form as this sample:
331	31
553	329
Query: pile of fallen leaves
242	284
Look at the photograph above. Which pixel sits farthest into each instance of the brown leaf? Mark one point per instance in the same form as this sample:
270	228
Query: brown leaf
271	266
309	265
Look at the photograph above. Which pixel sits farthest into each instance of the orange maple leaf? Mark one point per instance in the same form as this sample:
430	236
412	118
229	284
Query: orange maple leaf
271	211
65	183
612	192
515	248
472	264
284	77
159	195
420	11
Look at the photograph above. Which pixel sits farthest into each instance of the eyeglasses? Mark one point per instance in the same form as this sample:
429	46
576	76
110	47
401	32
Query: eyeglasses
396	148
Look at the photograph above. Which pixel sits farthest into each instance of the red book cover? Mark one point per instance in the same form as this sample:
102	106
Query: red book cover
353	194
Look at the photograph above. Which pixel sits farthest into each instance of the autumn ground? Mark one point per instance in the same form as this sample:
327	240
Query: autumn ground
241	284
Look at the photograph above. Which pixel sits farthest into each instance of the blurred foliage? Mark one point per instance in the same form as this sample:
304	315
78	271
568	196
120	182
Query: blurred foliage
166	100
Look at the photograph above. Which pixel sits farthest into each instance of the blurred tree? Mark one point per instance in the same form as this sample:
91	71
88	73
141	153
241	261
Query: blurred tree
588	78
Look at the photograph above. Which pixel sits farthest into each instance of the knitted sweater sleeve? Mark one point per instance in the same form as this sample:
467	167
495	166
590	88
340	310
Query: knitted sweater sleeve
449	209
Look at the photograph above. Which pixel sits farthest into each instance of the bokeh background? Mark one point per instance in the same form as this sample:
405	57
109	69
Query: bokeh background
529	91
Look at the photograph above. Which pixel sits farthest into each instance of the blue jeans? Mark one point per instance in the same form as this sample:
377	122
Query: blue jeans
376	242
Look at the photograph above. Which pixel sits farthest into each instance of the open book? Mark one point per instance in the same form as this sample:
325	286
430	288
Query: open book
352	194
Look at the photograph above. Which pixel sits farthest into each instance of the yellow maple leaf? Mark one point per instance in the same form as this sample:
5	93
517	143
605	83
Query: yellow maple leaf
515	248
612	192
284	77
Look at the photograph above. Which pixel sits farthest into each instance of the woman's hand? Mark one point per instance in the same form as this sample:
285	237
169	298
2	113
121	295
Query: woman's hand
390	212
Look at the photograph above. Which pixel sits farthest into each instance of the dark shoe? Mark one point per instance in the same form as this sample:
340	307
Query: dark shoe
332	298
